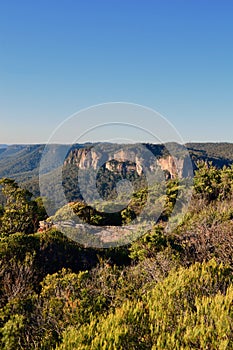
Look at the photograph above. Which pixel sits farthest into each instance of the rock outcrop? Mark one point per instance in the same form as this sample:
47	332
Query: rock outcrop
128	161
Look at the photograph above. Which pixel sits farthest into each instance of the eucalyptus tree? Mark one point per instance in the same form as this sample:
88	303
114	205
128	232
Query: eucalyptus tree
19	213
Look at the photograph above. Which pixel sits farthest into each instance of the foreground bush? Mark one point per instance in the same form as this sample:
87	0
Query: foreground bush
190	309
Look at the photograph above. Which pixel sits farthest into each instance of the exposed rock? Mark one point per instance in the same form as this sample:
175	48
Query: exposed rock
125	161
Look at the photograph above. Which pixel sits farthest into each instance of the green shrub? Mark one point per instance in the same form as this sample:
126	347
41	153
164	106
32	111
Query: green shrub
191	309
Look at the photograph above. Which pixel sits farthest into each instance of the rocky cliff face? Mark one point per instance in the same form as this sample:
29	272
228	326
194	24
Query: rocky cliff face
182	167
126	161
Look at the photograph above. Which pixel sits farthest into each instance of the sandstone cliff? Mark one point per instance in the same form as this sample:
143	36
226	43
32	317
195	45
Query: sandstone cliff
126	161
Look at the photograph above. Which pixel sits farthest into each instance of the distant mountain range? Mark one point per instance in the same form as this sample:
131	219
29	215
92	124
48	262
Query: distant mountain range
21	162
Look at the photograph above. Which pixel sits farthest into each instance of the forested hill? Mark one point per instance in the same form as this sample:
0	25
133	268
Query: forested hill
18	159
21	162
219	153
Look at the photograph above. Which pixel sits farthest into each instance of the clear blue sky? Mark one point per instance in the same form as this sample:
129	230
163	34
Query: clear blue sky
57	57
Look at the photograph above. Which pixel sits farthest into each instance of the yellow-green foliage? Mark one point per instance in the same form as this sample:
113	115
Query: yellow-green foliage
191	309
11	332
182	306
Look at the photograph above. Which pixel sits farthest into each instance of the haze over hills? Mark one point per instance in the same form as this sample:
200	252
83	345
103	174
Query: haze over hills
21	162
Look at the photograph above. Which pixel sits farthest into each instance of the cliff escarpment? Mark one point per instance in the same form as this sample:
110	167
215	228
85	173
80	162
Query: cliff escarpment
129	160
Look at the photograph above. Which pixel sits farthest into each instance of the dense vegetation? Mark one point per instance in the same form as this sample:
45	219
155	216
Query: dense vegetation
167	290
